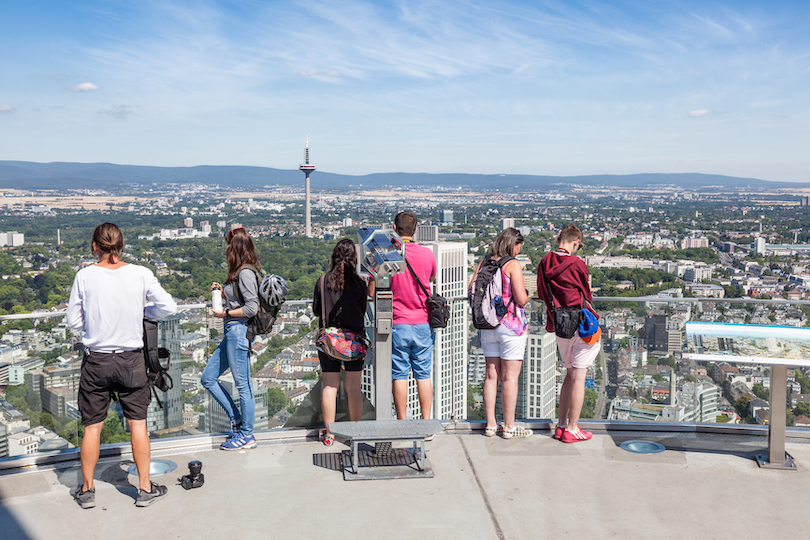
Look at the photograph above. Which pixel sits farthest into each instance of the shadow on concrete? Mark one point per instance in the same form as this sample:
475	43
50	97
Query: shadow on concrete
10	527
332	461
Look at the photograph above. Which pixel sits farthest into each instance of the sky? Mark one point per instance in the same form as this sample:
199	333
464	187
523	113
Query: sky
498	87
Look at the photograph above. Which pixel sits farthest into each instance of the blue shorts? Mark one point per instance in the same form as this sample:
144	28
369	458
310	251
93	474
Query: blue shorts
412	347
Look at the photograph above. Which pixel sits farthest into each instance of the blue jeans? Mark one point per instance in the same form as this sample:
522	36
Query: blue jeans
232	353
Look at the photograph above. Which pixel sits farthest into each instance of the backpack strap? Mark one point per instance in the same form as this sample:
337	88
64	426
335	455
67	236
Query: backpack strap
503	261
236	281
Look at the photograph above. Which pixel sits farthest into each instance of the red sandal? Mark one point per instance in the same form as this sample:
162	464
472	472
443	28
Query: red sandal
328	440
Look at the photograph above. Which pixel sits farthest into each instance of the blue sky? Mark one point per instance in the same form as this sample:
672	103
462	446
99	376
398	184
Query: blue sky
541	87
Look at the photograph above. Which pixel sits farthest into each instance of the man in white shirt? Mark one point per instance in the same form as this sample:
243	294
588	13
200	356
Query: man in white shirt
107	302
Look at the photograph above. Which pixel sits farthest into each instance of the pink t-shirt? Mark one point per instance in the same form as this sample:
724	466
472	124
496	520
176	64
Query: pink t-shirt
409	300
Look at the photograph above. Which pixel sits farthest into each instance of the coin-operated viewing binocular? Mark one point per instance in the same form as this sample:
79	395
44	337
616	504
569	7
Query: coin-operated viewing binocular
382	253
195	477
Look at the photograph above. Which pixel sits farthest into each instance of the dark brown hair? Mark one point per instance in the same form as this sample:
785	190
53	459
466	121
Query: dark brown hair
109	241
504	245
240	251
343	265
405	222
570	233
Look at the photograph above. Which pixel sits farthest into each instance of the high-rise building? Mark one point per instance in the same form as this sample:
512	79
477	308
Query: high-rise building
759	245
537	384
507	222
171	415
426	233
447	217
188	222
216	419
450	345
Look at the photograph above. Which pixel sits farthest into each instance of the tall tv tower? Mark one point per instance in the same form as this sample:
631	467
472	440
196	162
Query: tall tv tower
307	168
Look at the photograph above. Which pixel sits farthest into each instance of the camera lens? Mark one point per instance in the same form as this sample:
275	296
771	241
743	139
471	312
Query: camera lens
194	467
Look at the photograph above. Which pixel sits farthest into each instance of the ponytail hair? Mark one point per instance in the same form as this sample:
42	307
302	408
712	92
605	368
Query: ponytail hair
109	241
343	265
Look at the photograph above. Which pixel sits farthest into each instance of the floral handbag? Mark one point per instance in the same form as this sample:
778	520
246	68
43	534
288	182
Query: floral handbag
341	344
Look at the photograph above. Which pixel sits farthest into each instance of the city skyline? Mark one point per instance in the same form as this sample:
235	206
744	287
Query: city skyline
506	87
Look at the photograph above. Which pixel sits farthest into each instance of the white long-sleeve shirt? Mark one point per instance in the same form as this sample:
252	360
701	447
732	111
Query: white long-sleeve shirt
109	306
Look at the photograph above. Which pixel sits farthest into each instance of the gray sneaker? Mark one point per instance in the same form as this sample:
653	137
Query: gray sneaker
145	498
86	499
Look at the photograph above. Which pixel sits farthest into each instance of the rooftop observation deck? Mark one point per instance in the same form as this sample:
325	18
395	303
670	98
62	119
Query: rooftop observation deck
705	485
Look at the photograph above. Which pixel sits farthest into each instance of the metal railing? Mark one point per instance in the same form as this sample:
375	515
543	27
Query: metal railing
459	423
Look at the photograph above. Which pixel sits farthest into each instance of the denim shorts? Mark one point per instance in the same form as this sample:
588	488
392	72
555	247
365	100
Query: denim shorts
412	347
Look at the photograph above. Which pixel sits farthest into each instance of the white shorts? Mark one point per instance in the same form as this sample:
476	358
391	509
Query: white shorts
576	353
501	343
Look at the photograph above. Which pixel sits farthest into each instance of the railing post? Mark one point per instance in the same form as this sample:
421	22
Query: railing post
777	457
383	386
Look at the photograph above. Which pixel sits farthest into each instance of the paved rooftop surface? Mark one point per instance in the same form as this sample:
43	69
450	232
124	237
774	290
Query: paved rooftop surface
705	486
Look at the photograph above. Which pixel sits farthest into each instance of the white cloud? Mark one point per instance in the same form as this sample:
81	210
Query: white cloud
117	111
319	73
5	108
83	87
699	112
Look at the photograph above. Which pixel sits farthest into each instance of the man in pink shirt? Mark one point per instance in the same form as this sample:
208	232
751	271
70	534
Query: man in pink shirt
412	341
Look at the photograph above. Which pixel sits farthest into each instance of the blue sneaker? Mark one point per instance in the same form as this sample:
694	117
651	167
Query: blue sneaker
239	442
235	430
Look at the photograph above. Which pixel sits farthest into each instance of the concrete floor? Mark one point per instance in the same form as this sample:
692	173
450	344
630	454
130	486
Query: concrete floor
703	487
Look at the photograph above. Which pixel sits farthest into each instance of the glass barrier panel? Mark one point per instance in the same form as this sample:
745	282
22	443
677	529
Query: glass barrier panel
646	371
39	376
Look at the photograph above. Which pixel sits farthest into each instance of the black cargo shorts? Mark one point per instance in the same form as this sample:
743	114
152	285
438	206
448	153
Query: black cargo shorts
102	373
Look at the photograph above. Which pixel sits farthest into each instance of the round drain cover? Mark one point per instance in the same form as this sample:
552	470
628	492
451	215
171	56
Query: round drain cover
156	467
642	447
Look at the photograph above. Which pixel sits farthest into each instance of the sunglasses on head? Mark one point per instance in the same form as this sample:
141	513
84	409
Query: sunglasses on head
229	234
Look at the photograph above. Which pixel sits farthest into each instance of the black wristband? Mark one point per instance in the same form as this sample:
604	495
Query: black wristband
227	313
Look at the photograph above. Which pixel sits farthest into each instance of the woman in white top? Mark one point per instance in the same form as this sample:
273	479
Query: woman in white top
108	303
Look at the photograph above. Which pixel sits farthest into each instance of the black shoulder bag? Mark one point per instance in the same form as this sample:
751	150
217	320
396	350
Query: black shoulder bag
437	305
566	319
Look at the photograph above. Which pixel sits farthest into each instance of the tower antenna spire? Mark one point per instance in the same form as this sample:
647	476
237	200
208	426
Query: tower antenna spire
307	169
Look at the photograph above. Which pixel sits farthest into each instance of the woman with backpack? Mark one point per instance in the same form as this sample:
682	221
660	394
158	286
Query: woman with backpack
240	303
340	295
504	346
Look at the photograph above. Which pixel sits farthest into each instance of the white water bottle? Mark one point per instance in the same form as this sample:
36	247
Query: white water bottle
216	299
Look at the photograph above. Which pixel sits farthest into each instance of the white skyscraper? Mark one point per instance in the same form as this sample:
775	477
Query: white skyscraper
537	386
450	346
759	245
507	222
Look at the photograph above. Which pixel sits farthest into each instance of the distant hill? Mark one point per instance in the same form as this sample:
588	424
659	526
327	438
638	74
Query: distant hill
30	175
